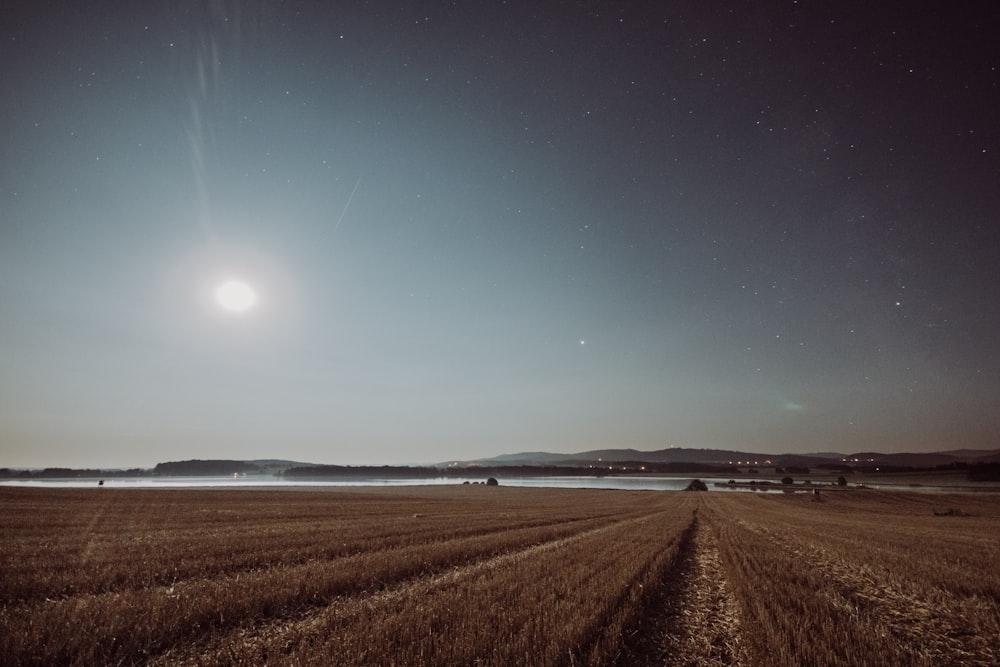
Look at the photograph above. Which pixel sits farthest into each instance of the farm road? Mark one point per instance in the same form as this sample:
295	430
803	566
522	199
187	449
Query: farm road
695	620
707	630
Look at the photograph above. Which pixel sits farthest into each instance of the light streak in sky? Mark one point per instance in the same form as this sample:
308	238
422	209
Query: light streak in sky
348	204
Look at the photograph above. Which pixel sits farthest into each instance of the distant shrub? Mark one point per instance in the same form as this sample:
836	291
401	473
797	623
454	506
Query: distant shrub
841	481
492	481
951	511
696	485
984	472
787	480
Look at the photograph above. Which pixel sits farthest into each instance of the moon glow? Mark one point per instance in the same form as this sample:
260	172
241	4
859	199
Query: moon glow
235	296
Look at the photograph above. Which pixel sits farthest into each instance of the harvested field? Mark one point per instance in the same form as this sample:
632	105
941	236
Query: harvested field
864	578
498	576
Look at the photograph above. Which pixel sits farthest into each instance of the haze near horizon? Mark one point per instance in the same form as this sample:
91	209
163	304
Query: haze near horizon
382	233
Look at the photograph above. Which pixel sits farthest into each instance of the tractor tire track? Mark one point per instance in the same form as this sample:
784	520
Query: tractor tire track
695	620
707	626
233	647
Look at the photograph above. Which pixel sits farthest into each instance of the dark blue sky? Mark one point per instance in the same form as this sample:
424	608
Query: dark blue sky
476	230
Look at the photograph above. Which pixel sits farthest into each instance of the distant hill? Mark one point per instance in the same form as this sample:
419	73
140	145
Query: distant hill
926	459
922	460
672	459
217	467
671	455
277	465
733	457
197	467
974	454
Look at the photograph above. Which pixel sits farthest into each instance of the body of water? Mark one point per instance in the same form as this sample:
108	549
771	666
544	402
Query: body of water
644	482
624	482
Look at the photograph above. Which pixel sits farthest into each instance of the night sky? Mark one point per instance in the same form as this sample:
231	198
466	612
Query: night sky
482	228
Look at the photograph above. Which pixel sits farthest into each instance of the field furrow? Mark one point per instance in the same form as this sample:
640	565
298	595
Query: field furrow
693	618
708	628
124	549
473	615
927	624
819	592
135	623
254	642
497	576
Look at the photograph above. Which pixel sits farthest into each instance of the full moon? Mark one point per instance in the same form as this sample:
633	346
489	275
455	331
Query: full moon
235	296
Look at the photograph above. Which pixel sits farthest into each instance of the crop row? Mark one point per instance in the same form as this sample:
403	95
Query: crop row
569	601
118	609
840	582
498	576
112	542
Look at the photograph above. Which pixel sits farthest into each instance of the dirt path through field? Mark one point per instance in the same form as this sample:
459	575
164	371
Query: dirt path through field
695	620
707	626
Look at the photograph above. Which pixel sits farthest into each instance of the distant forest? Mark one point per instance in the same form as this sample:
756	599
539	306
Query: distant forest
222	467
507	471
977	472
984	472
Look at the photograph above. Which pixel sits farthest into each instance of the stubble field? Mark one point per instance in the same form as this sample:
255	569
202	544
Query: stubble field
497	576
